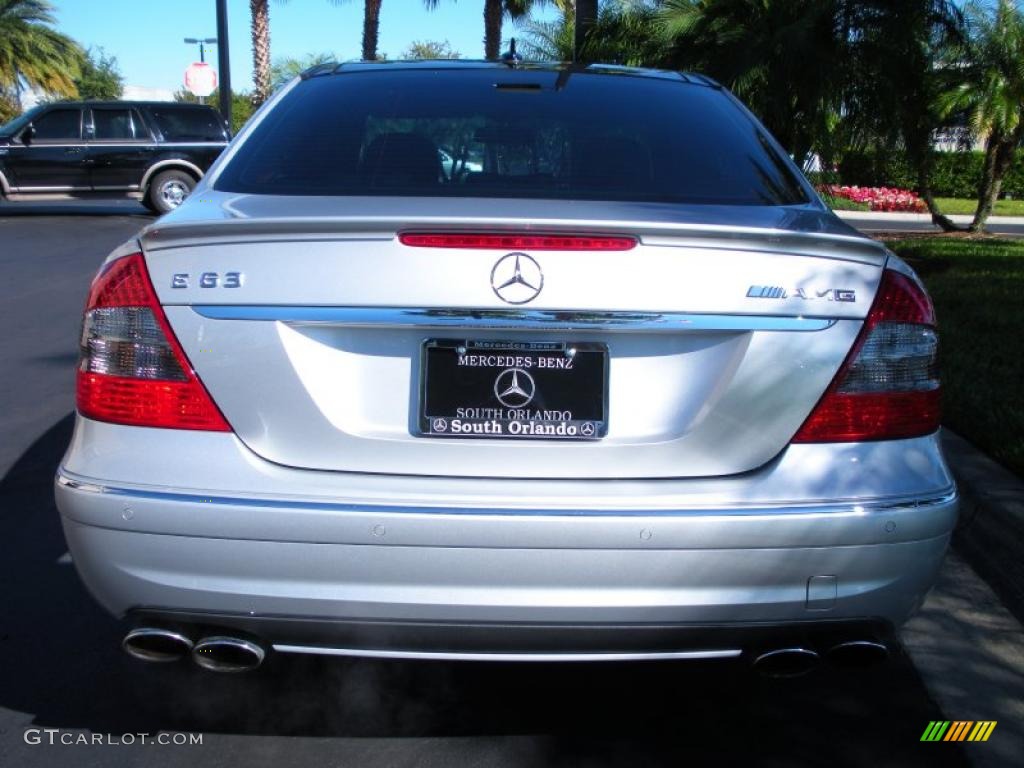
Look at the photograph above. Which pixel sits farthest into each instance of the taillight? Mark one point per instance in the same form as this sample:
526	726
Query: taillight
132	369
509	242
888	388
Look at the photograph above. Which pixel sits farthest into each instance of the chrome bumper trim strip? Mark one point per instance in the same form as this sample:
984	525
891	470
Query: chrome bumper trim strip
512	319
729	653
849	508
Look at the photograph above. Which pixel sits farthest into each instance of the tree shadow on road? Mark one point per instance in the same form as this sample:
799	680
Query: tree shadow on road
60	663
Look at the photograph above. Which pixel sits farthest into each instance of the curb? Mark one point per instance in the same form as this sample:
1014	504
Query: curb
920	218
990	534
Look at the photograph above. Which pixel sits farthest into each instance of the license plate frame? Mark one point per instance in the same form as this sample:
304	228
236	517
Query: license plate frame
507	393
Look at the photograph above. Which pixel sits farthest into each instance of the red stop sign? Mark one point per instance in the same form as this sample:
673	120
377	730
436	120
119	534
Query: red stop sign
200	79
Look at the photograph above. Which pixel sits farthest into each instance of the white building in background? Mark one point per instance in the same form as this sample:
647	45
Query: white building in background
142	93
30	97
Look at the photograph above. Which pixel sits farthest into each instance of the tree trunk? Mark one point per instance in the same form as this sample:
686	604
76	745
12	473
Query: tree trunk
371	28
939	219
259	11
917	124
999	152
923	165
493	12
586	17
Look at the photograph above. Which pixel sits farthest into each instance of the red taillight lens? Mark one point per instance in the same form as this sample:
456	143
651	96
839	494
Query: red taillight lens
132	369
888	388
516	242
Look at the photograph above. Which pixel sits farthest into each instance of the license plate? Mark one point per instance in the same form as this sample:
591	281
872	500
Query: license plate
514	390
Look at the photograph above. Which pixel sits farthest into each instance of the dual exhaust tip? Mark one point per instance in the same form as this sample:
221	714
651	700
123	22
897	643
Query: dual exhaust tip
797	661
218	653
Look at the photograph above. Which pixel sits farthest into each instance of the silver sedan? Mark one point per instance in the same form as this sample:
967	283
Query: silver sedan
623	389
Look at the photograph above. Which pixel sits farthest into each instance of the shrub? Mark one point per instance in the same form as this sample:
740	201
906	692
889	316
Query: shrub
876	169
955	174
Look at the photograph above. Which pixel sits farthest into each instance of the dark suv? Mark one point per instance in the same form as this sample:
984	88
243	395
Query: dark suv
151	151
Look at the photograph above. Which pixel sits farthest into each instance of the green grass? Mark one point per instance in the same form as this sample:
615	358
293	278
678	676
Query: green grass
951	205
842	204
978	289
948	205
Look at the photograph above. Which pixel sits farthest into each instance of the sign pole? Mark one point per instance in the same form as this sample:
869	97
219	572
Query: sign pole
223	61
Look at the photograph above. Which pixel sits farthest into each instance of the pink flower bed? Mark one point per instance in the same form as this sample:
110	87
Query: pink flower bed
881	198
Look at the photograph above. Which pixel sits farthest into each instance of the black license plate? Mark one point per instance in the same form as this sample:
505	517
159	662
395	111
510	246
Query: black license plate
514	390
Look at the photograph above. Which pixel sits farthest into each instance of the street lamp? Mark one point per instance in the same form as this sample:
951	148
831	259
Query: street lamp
202	42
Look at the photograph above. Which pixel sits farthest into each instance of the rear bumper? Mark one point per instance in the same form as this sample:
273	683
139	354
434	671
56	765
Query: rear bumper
193	527
396	582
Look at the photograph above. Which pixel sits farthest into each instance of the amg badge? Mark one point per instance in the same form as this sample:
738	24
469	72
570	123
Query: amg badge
808	294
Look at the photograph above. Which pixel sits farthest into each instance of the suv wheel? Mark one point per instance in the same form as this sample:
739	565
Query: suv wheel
169	189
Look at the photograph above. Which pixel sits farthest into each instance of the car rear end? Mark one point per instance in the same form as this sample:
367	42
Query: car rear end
629	391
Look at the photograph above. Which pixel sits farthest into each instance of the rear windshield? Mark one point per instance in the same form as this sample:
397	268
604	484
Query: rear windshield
533	134
178	124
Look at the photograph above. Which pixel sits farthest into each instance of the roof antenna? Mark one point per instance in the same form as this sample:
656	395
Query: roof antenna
510	56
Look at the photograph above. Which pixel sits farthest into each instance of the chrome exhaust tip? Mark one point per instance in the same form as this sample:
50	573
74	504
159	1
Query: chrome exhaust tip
156	644
786	662
858	653
227	654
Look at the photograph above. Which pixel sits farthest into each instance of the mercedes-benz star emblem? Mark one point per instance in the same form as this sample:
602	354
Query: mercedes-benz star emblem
514	388
517	278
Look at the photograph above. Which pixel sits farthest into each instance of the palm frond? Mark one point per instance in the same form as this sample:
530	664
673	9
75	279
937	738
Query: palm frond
32	52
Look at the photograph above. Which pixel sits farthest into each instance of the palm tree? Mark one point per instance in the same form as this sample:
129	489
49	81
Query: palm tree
285	69
259	12
827	75
33	53
625	32
586	18
787	59
913	38
371	24
548	40
989	92
371	28
495	12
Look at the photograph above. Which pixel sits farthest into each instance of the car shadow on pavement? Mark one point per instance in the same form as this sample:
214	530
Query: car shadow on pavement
60	664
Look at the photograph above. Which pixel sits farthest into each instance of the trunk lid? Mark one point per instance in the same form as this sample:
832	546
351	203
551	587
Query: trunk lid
306	319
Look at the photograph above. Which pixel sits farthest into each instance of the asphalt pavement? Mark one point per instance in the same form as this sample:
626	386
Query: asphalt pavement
61	668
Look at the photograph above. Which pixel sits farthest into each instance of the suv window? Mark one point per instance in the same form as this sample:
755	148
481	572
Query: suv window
15	125
511	134
188	124
58	124
111	124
